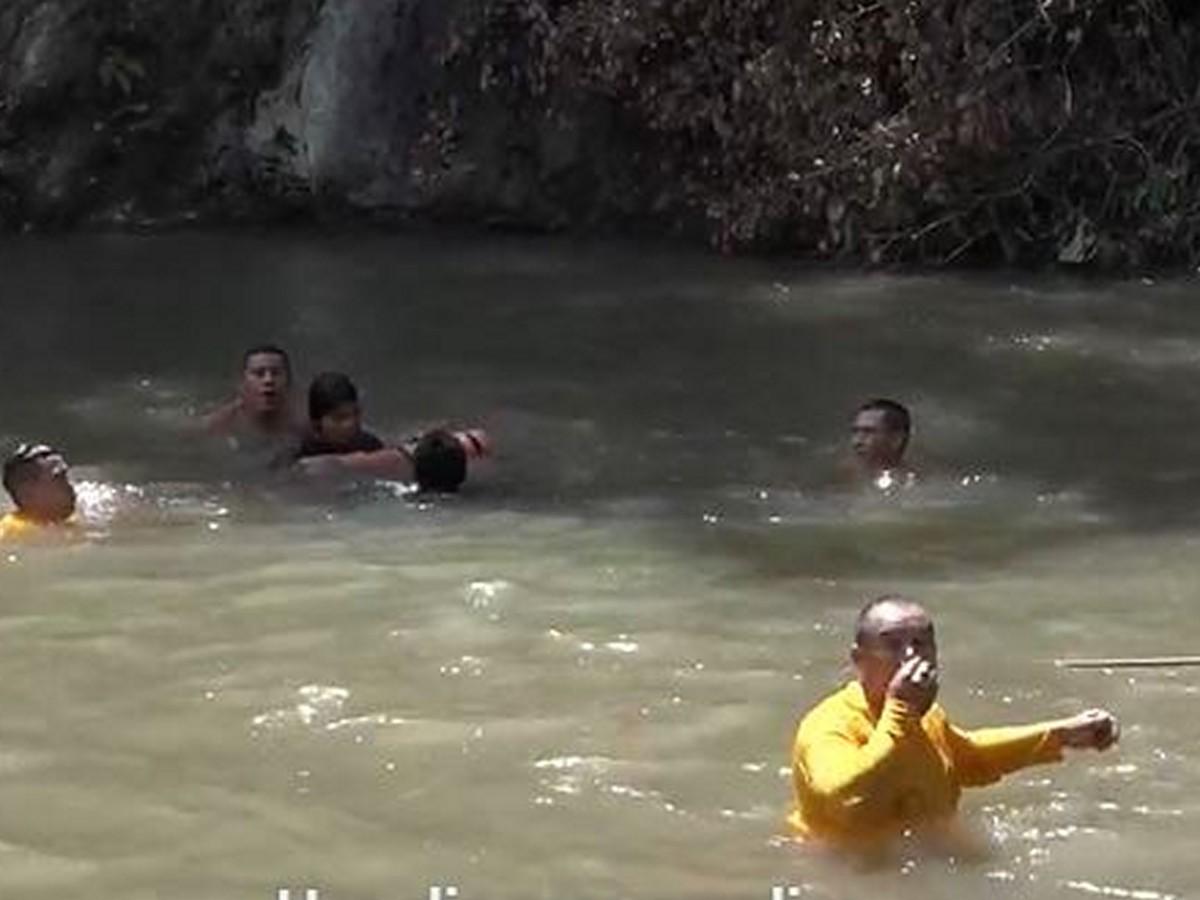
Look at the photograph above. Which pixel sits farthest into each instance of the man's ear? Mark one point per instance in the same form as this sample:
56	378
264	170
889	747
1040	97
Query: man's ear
855	654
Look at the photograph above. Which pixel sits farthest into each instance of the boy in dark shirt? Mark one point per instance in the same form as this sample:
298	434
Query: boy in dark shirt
335	419
262	411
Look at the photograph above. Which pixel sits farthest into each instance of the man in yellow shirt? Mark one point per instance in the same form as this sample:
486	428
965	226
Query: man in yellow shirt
36	477
879	757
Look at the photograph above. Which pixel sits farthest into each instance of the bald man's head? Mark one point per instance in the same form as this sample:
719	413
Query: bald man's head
889	630
883	612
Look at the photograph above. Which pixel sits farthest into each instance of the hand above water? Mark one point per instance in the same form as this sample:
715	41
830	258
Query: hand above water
915	683
1094	729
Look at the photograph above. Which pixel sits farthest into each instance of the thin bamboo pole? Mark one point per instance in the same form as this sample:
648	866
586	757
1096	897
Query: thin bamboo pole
1130	662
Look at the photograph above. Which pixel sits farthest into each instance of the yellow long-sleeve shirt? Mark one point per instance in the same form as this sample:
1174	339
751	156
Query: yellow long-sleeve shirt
860	780
15	526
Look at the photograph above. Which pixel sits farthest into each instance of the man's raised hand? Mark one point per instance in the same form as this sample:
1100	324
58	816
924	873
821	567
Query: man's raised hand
915	683
1094	729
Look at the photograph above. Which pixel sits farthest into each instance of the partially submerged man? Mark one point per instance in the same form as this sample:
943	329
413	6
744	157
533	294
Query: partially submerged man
36	477
436	461
337	444
879	757
262	410
879	438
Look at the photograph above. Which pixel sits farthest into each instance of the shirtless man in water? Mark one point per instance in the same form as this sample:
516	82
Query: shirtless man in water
262	410
878	438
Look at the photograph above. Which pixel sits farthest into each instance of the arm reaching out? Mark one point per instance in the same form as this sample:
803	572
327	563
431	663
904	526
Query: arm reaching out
390	463
985	755
437	460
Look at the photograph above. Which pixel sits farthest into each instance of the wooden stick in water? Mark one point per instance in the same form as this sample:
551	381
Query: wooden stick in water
1130	662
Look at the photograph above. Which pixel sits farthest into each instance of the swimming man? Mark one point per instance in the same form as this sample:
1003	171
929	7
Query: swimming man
37	479
878	439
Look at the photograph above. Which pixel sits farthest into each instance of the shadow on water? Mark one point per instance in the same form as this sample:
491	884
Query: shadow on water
624	381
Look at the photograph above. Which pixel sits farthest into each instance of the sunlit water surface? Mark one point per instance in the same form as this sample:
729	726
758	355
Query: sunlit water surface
580	678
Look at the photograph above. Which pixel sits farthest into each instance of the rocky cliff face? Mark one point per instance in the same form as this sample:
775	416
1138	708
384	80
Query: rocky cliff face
141	112
350	103
157	112
971	130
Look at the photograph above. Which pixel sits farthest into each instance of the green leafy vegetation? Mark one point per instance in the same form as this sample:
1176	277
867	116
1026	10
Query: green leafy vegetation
935	131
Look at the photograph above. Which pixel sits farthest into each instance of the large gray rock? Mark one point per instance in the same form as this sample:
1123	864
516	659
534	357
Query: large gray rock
48	48
350	103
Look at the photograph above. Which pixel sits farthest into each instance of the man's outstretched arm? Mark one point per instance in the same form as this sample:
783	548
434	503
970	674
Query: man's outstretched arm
985	755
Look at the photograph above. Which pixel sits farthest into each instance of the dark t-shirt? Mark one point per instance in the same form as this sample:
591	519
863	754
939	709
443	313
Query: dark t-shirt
363	442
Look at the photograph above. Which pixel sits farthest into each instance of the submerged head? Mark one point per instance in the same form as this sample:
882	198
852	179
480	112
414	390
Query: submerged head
333	409
889	630
266	381
880	432
37	478
440	461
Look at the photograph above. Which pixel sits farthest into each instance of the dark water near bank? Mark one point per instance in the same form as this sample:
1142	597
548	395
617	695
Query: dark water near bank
580	678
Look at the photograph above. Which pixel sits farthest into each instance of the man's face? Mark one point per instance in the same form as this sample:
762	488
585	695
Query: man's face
873	442
896	632
48	494
340	425
265	383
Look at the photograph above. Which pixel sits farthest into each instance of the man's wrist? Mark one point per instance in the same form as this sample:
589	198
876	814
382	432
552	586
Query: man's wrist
1060	731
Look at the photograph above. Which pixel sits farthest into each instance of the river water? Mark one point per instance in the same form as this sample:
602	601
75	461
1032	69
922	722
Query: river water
580	678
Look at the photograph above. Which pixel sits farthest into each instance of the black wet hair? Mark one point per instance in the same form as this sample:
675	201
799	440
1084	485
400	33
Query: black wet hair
21	464
273	349
895	415
863	629
439	462
328	391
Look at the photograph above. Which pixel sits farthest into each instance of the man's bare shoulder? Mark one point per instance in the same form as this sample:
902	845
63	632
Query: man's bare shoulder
223	420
